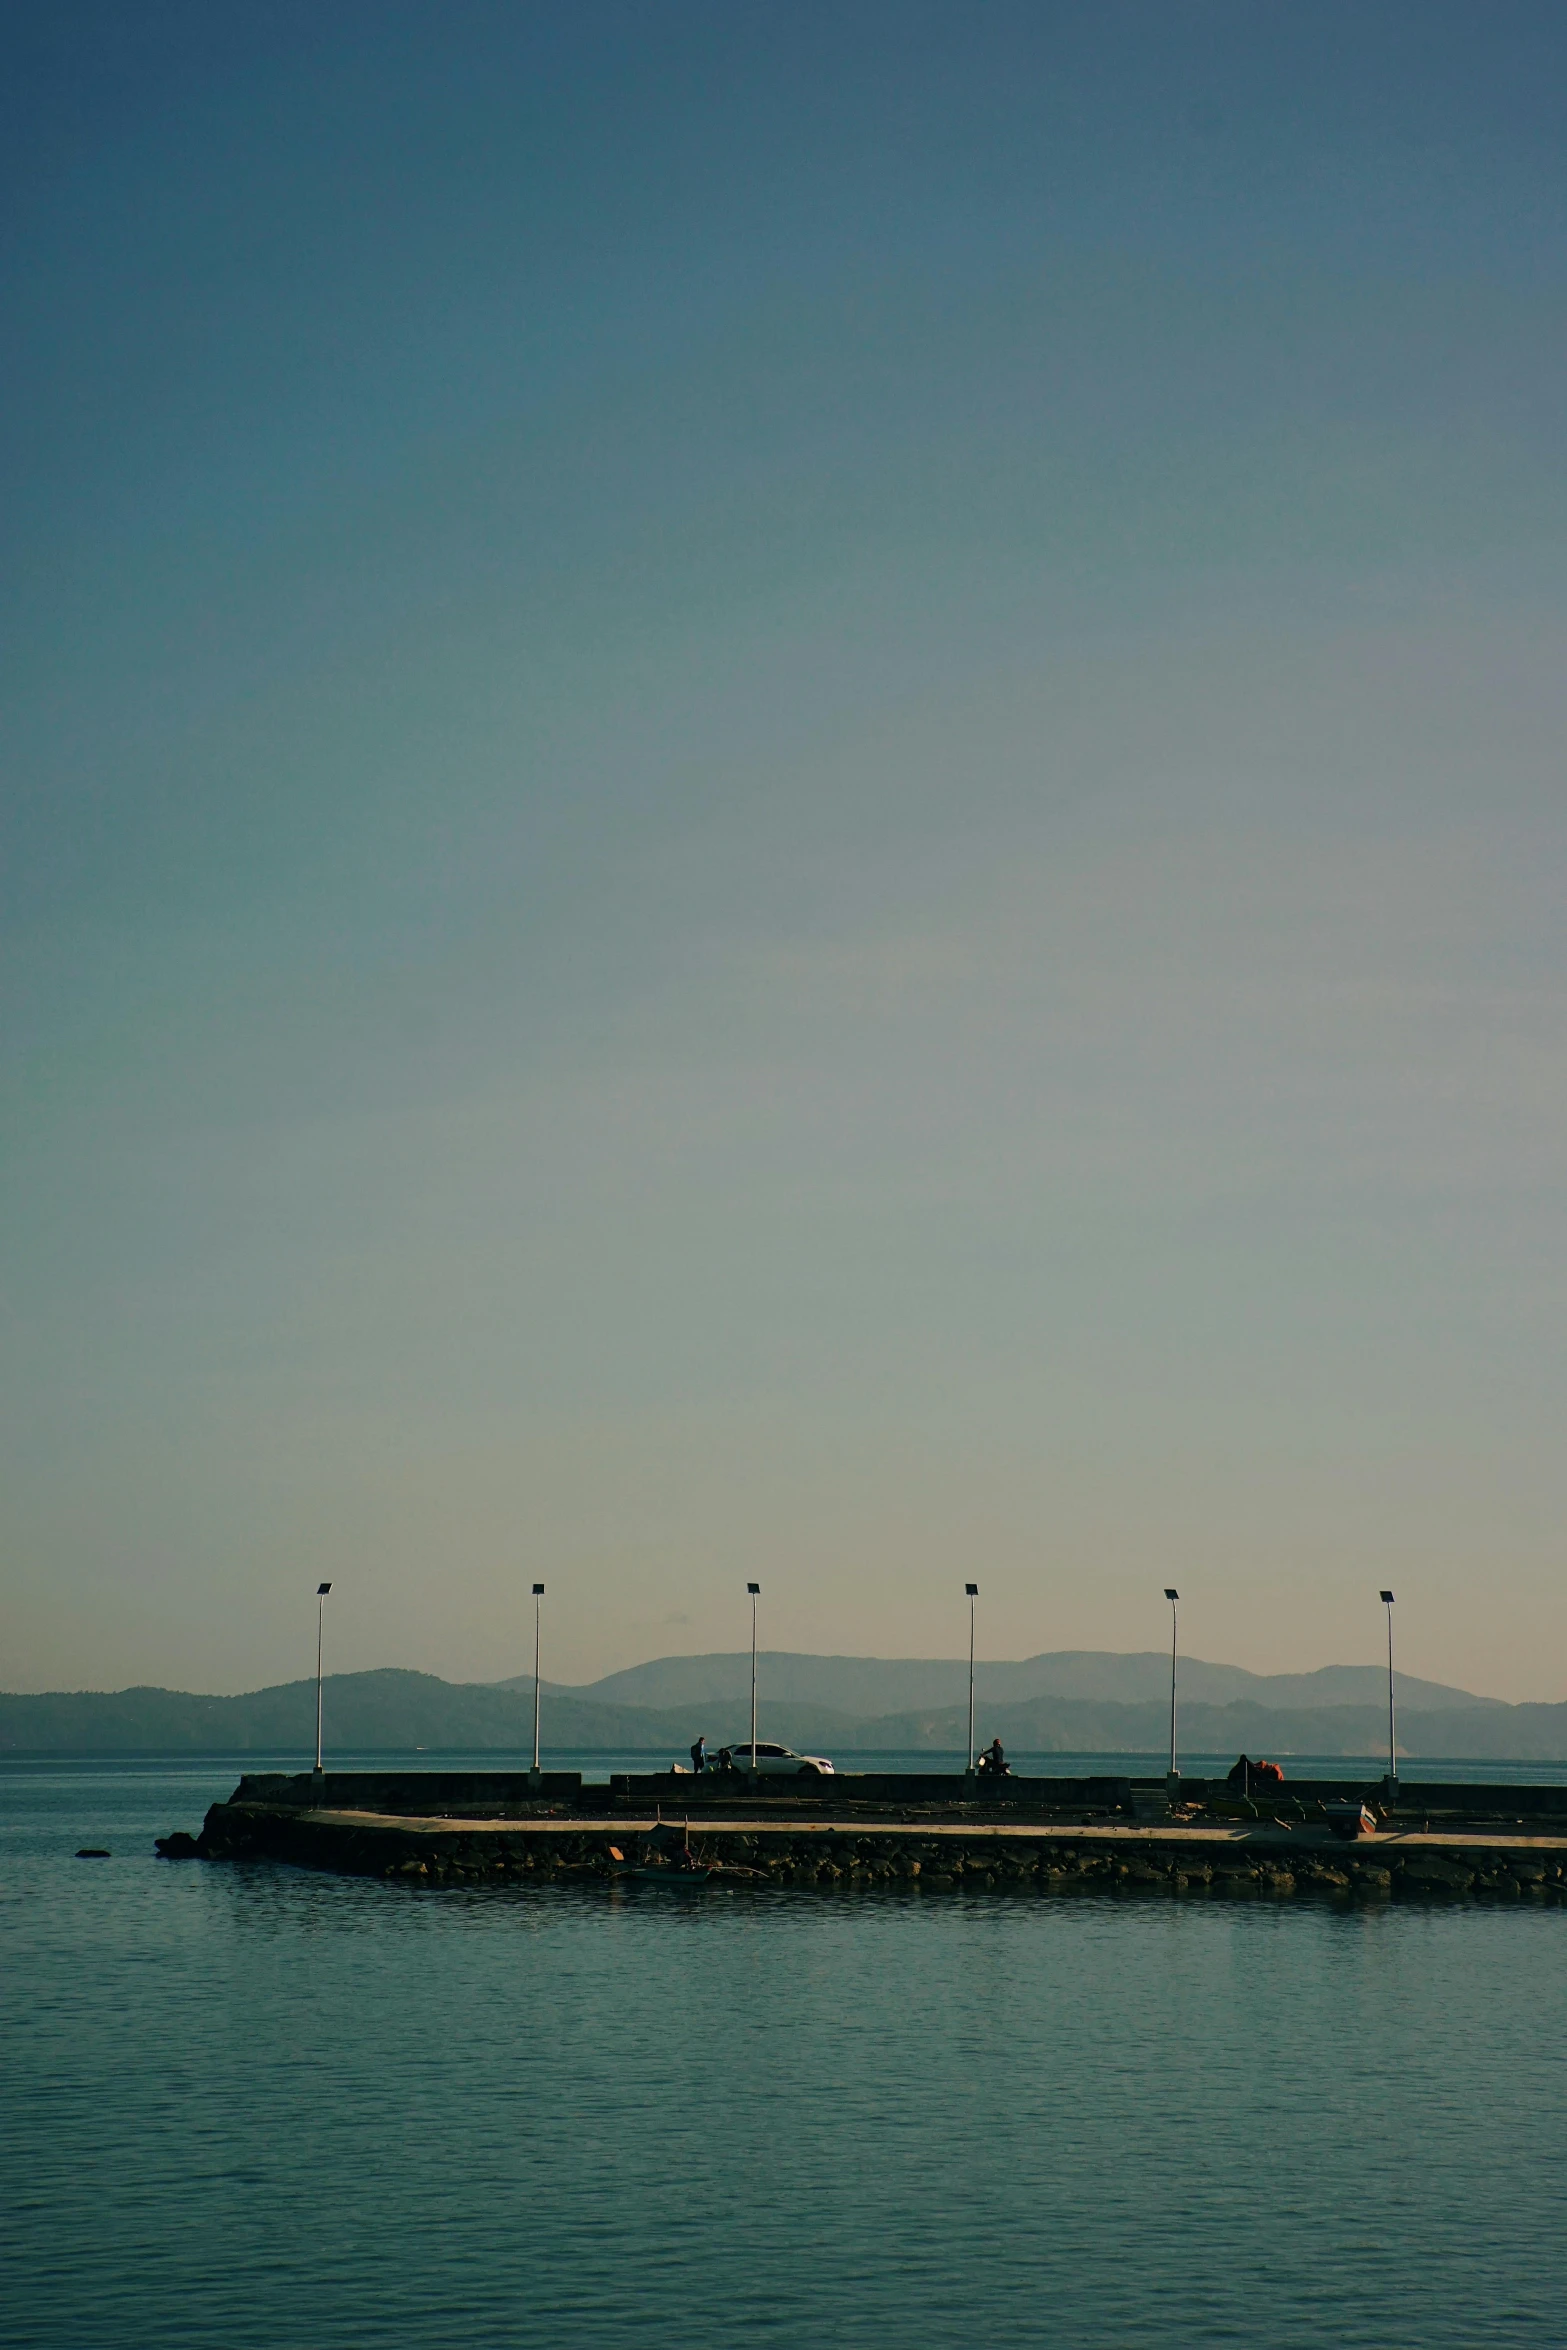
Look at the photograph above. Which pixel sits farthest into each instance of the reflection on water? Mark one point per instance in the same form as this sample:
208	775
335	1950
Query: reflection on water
248	2106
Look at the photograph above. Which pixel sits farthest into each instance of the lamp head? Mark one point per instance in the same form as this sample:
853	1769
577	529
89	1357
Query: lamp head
1387	1599
1169	1594
538	1591
754	1589
322	1589
971	1591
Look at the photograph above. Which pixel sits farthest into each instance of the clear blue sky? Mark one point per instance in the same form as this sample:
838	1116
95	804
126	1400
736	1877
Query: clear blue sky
783	798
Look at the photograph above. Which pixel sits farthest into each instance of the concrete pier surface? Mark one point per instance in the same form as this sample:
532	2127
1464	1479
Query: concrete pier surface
1484	1842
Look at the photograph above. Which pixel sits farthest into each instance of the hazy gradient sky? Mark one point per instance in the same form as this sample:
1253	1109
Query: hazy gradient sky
782	798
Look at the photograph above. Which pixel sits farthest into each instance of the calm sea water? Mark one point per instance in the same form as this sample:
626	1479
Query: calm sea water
248	2106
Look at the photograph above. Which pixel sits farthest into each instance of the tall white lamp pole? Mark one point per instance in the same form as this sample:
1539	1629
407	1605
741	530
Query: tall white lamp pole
971	1591
538	1594
321	1591
1392	1742
1174	1599
754	1589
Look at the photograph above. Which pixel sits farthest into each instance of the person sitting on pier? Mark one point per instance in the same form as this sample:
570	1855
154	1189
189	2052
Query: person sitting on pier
993	1763
699	1756
1248	1774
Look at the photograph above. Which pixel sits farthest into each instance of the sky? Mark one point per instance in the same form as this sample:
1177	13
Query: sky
781	799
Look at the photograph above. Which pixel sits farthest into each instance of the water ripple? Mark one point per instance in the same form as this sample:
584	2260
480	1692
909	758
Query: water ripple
254	2108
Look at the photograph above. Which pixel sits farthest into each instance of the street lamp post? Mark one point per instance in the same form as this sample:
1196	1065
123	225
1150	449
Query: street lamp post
1174	1599
1392	1742
321	1591
754	1589
538	1594
971	1591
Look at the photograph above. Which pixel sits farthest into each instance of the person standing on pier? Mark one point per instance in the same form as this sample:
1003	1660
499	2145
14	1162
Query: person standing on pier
699	1755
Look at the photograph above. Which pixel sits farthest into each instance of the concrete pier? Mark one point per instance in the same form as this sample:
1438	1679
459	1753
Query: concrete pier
1483	1842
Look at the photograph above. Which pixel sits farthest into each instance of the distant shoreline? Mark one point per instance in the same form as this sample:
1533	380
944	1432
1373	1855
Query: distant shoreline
1077	1704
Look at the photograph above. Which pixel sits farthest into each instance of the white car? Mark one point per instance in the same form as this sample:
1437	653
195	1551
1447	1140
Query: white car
780	1758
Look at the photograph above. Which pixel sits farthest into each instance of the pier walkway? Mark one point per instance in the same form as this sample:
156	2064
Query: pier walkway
1275	1835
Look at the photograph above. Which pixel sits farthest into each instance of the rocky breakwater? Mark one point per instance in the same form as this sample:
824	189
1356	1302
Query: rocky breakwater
924	1857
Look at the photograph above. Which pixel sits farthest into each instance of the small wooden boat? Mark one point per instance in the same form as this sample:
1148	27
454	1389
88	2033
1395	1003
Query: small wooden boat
680	1876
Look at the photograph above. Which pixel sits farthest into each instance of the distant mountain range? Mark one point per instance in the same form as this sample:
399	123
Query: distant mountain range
1075	1701
872	1685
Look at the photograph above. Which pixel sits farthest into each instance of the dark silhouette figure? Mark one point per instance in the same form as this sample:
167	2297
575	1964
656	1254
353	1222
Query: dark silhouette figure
1248	1774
